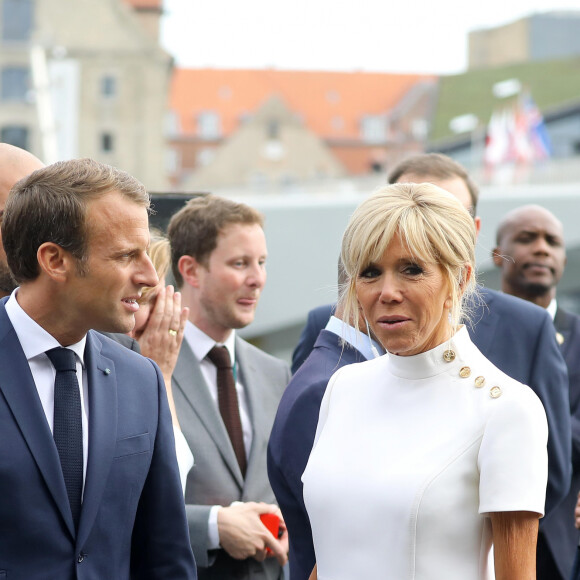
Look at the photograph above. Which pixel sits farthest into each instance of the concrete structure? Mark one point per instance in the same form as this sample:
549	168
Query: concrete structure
81	78
546	36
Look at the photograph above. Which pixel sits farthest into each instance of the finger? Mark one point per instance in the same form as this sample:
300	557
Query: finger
156	315
176	312
277	549
181	325
261	555
168	313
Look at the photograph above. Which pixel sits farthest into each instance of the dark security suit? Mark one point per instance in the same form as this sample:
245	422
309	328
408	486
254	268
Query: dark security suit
515	335
558	546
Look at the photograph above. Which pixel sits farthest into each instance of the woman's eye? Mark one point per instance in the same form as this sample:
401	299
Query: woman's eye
413	270
370	272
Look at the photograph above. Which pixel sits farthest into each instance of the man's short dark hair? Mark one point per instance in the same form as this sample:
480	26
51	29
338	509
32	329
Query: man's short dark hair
439	166
194	229
50	205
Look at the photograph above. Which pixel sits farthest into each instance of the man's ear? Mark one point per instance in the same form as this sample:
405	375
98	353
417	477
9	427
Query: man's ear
189	269
54	261
497	258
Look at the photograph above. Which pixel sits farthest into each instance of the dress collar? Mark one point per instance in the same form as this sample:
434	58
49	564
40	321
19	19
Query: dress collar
449	356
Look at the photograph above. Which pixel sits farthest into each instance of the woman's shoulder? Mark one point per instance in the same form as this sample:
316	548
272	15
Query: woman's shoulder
504	391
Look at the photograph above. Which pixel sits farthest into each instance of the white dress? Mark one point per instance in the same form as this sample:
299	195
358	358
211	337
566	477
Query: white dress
410	456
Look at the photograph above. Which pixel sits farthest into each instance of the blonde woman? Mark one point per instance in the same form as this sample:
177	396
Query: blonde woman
427	456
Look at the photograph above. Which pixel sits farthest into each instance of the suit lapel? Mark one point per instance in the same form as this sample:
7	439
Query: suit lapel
18	387
563	324
189	380
251	378
102	389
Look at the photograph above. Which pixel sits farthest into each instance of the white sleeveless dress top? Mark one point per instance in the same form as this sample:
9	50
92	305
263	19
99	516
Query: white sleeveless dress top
411	455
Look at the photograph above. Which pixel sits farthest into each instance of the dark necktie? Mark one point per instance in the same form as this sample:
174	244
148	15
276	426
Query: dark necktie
67	427
228	401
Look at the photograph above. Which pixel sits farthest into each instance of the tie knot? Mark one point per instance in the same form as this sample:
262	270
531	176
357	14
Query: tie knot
63	359
220	357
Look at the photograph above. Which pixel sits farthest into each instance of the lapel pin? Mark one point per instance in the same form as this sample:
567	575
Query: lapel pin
107	371
559	338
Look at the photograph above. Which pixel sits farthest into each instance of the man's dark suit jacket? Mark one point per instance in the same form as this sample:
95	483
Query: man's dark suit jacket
132	523
315	322
123	339
560	535
292	437
517	336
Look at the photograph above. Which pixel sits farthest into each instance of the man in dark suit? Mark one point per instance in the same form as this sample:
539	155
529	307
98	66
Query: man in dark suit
531	255
89	483
315	321
338	344
218	255
516	336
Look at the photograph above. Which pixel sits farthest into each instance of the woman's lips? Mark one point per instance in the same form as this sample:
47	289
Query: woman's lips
393	322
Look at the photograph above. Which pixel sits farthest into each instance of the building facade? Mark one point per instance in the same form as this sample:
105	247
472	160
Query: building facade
85	79
539	37
314	125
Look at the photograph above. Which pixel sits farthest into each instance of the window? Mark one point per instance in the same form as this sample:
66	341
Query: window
16	20
209	125
15	83
373	128
15	135
108	86
273	129
107	143
337	123
333	96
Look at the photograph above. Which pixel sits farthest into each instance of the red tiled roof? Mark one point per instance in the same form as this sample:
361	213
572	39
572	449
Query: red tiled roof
331	103
145	4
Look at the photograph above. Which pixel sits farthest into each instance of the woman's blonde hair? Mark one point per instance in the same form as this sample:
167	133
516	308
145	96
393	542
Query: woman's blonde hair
431	223
160	254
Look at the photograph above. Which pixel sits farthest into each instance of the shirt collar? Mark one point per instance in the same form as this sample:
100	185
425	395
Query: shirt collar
362	342
200	343
552	307
34	339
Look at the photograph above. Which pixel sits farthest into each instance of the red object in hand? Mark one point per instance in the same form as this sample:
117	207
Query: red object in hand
272	522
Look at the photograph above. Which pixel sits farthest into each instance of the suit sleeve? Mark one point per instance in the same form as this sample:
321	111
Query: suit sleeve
549	379
160	545
315	322
305	344
288	451
197	521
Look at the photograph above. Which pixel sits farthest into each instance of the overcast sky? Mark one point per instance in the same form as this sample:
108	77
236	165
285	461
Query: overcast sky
371	35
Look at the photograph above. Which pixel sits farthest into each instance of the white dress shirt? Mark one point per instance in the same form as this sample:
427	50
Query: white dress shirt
552	307
35	341
368	347
200	344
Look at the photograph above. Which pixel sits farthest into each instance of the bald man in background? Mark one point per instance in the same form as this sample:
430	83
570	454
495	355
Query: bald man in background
15	163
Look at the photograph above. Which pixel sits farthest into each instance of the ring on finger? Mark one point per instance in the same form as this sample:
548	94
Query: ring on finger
172	332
